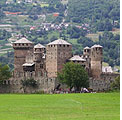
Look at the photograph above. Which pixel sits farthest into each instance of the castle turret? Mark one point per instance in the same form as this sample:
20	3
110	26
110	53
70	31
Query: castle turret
39	53
86	51
96	60
21	48
58	52
86	55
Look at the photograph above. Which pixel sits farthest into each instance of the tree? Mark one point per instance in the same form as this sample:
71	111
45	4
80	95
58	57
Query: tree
74	75
30	82
5	73
116	84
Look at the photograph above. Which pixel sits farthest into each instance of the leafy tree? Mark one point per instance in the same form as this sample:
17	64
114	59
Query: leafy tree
5	73
74	75
29	82
116	84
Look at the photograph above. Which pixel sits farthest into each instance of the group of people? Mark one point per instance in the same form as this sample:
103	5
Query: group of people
66	91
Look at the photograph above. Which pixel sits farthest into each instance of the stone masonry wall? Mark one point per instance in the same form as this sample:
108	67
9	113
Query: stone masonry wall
103	83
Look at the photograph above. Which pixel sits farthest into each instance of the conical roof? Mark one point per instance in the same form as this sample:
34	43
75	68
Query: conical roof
39	46
23	40
59	42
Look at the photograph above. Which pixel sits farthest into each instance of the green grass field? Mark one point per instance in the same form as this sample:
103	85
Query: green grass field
94	106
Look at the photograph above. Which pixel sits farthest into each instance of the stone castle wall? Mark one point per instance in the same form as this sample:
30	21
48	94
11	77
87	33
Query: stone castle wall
15	86
47	85
102	83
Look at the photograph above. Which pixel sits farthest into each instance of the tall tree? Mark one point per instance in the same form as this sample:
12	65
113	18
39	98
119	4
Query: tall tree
74	75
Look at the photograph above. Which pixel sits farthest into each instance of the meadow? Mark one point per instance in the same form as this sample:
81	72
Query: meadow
92	106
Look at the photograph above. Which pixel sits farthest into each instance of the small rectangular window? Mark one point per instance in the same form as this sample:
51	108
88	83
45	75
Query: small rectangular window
41	65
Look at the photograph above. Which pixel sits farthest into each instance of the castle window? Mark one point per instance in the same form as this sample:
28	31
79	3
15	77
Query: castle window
64	45
60	45
54	45
67	45
26	44
31	74
19	44
8	82
41	65
23	44
15	44
51	45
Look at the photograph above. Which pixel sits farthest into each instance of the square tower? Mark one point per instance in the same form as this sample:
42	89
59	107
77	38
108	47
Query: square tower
21	49
57	54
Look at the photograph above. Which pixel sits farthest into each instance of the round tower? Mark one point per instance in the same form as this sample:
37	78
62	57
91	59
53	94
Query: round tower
96	60
21	48
39	51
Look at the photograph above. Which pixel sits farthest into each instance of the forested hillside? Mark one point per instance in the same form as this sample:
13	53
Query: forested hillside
80	22
100	14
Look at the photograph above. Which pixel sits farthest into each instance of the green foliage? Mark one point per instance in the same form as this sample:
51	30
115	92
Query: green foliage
74	75
85	41
4	35
116	84
5	73
75	32
29	82
104	25
98	13
8	59
111	47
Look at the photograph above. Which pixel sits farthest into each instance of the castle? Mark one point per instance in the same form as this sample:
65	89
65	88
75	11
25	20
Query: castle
43	63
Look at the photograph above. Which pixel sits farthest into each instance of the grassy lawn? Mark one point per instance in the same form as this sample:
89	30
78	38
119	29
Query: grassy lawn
73	41
93	37
105	64
99	106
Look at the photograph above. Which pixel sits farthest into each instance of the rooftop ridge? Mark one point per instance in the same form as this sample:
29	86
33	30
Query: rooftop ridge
77	58
60	42
23	40
39	46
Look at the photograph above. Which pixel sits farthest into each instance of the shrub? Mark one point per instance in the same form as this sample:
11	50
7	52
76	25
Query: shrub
29	82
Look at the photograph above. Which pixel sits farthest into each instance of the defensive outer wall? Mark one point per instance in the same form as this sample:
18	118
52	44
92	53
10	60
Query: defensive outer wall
47	85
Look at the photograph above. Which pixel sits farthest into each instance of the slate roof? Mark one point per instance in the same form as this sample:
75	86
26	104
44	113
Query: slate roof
77	58
23	40
39	46
60	42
